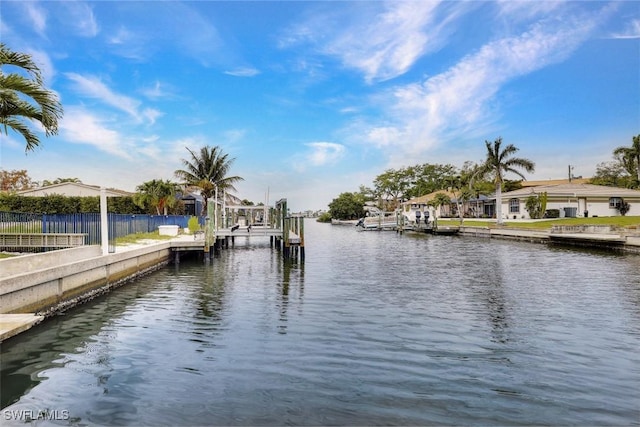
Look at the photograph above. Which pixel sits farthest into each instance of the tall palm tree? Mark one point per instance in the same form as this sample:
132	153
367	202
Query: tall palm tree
208	169
23	98
497	164
631	157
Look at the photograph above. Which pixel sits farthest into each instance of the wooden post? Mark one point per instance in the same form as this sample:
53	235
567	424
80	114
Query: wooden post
301	239
285	235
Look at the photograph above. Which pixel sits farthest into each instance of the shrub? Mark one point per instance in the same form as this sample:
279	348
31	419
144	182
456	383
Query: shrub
325	217
58	204
624	208
193	224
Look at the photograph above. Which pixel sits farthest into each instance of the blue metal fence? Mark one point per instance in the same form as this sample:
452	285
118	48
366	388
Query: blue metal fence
88	223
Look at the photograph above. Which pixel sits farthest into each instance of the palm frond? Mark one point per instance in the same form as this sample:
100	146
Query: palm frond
16	92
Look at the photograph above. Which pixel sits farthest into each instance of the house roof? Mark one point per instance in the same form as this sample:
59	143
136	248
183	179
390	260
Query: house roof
574	190
554	182
71	189
423	200
191	196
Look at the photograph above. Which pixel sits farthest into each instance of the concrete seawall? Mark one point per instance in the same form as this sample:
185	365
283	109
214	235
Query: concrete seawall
45	283
584	237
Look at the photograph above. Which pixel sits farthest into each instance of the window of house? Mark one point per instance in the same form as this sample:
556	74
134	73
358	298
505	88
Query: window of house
615	202
514	206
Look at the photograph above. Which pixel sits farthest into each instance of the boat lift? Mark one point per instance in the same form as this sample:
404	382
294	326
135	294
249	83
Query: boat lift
225	222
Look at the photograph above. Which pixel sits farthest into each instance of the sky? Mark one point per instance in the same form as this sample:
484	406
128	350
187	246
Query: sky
313	99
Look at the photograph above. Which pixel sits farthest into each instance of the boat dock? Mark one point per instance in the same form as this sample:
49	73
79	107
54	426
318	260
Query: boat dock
226	222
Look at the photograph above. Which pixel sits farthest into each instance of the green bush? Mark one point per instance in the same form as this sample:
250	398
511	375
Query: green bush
57	204
193	224
325	217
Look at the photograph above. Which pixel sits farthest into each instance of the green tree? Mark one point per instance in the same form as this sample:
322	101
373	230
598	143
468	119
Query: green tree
499	161
46	182
431	177
533	205
15	180
24	99
207	170
439	199
613	173
347	206
158	195
630	157
393	184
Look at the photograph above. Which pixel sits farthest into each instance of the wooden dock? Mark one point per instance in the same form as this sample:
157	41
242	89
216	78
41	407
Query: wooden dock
225	224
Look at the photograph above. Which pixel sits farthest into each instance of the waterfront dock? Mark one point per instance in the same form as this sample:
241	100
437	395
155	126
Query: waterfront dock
38	285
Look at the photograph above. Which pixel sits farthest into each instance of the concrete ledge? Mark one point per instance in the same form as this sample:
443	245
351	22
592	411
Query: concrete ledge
13	324
597	239
41	289
38	261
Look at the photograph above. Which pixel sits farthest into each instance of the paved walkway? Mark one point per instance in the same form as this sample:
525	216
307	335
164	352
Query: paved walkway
181	238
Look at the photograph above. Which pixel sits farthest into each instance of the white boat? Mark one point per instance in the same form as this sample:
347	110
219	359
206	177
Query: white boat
377	223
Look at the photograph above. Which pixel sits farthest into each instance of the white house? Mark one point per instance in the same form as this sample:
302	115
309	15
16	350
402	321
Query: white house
71	189
573	200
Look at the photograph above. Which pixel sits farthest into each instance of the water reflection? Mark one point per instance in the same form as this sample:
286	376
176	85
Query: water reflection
27	357
373	328
292	277
490	289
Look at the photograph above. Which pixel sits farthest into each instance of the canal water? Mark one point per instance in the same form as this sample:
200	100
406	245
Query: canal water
374	328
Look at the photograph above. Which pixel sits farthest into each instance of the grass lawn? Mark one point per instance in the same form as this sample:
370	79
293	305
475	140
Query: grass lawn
619	221
133	238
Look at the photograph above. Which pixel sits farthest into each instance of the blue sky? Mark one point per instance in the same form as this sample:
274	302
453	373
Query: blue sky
317	98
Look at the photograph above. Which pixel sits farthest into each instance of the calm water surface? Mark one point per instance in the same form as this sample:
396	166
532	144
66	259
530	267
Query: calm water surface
373	329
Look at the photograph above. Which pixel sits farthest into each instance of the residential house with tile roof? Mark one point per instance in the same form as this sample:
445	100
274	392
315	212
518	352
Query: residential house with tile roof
573	200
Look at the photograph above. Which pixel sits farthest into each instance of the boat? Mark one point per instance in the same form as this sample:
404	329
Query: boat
377	223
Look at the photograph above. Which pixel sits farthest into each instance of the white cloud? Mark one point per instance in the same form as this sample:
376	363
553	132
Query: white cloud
8	141
243	72
462	99
93	87
525	10
631	31
157	91
121	36
37	16
79	16
81	127
388	46
43	61
323	153
232	136
151	115
382	44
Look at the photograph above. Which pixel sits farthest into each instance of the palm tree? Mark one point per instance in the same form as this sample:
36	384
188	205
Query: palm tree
497	164
207	170
439	199
24	98
157	194
631	157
